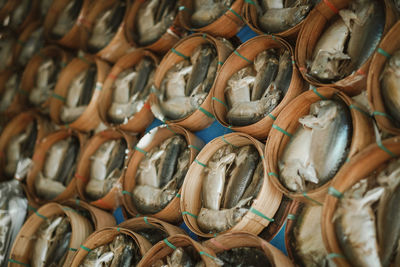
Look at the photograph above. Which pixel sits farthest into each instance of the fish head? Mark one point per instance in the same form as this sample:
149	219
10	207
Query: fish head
326	65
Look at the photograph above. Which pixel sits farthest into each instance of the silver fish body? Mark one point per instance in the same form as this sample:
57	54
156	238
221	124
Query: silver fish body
6	46
11	87
148	199
285	71
238	88
67	19
14	153
93	258
32	46
390	82
207	11
19	14
180	258
279	20
147	171
266	65
257	180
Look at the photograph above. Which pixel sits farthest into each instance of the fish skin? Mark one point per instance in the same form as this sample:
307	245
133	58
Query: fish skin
31	47
238	88
390	82
255	185
19	14
117	157
207	11
279	20
91	259
66	19
180	258
75	89
175	80
210	78
6	46
177	107
153	235
241	176
60	253
67	167
285	71
9	92
14	153
144	69
244	256
266	64
54	158
147	171
150	200
118	246
46	78
88	86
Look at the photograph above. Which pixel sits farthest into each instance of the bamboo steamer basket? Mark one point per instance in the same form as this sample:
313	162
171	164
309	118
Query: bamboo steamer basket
160	46
389	45
28	81
90	118
314	27
39	160
359	167
171	213
140	223
105	236
24	242
72	38
23	38
112	199
7	33
31	16
263	208
362	136
247	53
16	126
140	120
163	248
119	44
99	218
227	25
229	241
201	117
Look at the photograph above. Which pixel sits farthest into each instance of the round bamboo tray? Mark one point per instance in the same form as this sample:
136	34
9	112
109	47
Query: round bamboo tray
39	159
28	81
22	41
244	239
19	101
72	38
171	213
263	208
105	236
119	44
25	241
164	248
16	126
362	136
90	118
248	51
227	25
140	120
359	167
31	16
99	218
164	43
140	223
112	199
314	27
389	44
200	118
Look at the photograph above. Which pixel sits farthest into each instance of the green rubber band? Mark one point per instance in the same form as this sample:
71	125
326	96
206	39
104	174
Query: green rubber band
215	234
334	192
137	215
272	116
18	262
238	54
293	62
250	2
63	64
179	53
195	147
262	156
31	208
207	113
169	127
291	216
141	150
69	209
204	35
145	220
118	229
256	212
20	42
318	94
384	53
41	216
127	193
178	195
84	60
347	160
273	174
201	164
85	248
313	200
73	249
359	109
169	244
378	113
334	255
66	125
78	202
99	86
56	96
282	131
273	37
381	146
223	138
208	255
220	63
236	14
190	214
182	8
220	101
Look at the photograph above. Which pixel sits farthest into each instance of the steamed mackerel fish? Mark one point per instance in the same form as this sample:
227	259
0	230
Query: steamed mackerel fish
10	91
207	11
244	256
131	90
105	168
79	94
66	19
31	46
6	49
18	15
153	235
349	41
225	190
59	168
390	82
160	175
318	148
187	84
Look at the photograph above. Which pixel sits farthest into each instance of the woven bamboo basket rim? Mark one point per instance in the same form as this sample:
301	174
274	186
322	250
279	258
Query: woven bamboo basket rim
362	135
29	75
31	16
24	37
19	102
89	118
39	159
263	208
15	127
140	120
389	45
105	236
164	248
5	34
202	117
242	57
294	211
118	44
171	213
139	223
227	25
99	218
313	28
359	167
229	241
112	199
162	44
24	242
72	38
